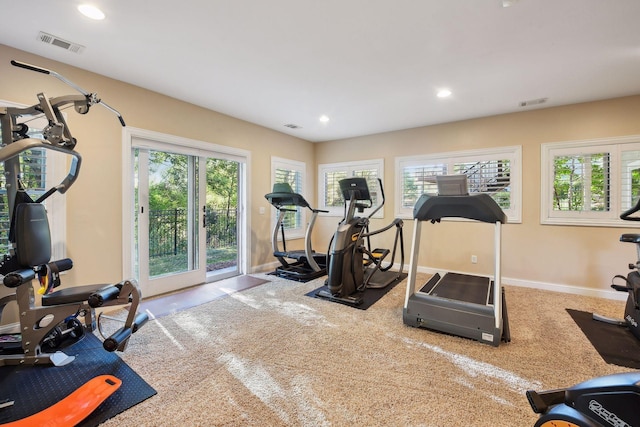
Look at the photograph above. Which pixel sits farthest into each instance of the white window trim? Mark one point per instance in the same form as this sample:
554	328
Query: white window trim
301	167
613	146
513	153
134	137
348	167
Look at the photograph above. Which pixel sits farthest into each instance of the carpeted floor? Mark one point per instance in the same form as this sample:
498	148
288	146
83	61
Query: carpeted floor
271	356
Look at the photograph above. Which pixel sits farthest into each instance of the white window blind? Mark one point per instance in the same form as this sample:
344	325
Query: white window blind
496	172
330	175
291	172
589	182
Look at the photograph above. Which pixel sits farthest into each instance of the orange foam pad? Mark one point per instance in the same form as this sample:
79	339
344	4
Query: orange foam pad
73	408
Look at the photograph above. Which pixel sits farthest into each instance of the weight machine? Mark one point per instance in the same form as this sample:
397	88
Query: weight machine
54	324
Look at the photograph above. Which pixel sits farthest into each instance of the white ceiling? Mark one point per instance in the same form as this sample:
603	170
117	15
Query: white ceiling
370	65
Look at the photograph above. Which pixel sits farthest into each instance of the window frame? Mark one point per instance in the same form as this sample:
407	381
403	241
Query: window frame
349	168
512	153
614	146
299	167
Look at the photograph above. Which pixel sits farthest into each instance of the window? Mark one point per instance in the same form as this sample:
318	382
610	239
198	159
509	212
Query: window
293	173
329	176
590	182
496	172
40	170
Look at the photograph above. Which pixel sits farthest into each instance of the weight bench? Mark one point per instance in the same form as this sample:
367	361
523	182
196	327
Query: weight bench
54	324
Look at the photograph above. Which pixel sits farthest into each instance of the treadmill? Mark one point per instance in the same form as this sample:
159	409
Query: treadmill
459	304
305	264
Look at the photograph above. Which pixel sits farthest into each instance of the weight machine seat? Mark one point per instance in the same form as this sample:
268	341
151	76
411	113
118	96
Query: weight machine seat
71	295
480	207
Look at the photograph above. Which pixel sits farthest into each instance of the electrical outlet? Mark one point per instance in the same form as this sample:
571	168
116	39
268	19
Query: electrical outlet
474	259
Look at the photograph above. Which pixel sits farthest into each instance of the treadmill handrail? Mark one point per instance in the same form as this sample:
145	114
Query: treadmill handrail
479	207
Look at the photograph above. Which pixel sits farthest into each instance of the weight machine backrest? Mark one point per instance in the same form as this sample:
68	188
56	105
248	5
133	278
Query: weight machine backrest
33	237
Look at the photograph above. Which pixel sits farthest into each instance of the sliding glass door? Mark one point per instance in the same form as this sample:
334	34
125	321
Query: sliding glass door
186	216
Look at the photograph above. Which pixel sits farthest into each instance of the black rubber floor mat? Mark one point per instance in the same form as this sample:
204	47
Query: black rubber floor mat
369	296
615	344
34	388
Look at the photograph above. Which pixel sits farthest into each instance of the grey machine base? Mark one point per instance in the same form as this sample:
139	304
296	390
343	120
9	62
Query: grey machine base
460	305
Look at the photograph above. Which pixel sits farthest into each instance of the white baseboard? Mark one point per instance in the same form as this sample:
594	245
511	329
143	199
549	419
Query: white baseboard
554	287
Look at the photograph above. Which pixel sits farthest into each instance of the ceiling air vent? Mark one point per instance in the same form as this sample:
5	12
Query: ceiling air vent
292	126
531	102
57	41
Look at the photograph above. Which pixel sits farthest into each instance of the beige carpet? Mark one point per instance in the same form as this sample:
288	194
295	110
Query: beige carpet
270	356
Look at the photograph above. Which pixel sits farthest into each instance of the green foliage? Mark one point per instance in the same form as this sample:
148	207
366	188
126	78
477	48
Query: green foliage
167	190
581	182
222	184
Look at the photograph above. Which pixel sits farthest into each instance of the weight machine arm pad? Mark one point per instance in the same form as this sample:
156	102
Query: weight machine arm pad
129	292
118	340
17	278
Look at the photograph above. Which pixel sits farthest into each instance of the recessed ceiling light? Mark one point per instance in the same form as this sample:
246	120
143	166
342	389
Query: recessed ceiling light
443	93
324	119
91	12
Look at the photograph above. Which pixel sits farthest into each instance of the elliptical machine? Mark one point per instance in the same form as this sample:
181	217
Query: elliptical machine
631	282
353	266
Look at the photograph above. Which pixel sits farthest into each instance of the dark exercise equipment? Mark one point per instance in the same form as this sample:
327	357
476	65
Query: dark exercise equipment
611	400
353	265
54	324
459	304
631	282
306	264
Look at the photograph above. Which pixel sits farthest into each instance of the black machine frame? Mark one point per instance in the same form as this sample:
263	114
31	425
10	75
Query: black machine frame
353	265
440	303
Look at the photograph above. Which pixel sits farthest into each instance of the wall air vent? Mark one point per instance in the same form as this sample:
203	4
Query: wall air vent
292	126
532	102
57	41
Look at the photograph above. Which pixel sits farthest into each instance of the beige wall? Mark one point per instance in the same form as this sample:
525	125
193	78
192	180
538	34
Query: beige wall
94	203
535	254
580	257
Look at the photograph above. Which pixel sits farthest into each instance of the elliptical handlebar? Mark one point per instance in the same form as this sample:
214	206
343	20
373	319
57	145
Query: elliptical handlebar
381	204
626	215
